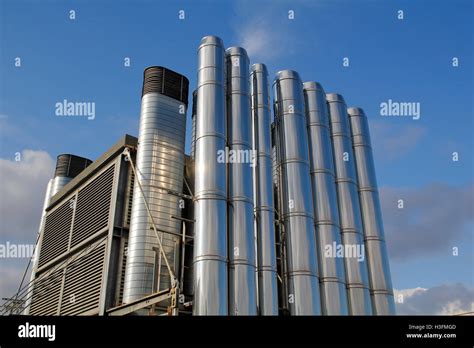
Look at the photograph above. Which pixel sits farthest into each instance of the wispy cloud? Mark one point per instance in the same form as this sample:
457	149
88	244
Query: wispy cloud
264	30
22	189
392	141
433	218
446	299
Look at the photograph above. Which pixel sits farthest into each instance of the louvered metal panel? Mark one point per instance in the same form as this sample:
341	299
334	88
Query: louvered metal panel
121	272
92	207
56	233
129	198
46	294
82	284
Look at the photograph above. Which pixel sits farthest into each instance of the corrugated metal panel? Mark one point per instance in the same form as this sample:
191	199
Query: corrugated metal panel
92	207
83	280
46	294
56	233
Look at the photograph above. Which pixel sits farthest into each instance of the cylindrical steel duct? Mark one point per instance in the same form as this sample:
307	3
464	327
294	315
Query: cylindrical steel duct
379	270
242	262
160	166
210	207
263	186
331	269
67	168
193	125
349	210
302	264
34	265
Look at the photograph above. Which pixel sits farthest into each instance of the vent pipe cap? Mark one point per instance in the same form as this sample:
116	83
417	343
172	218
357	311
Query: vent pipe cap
236	51
70	165
334	98
259	68
211	40
287	74
355	111
312	85
157	79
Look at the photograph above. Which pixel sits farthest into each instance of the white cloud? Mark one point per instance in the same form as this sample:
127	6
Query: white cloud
433	218
264	30
446	299
392	141
22	189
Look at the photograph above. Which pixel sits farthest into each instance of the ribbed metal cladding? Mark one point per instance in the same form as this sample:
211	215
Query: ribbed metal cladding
210	207
332	274
302	264
379	270
242	260
160	163
263	187
349	208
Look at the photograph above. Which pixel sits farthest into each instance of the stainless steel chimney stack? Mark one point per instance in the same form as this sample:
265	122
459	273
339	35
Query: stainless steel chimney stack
242	262
159	163
326	211
302	264
210	207
263	187
349	209
379	270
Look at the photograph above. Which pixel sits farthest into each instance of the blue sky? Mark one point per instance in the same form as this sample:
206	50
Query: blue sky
405	60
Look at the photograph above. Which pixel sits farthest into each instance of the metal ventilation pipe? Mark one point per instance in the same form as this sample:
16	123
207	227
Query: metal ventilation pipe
263	187
67	167
332	277
302	264
379	270
242	262
349	209
159	163
210	206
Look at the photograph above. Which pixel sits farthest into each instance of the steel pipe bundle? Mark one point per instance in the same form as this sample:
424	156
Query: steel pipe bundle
377	258
326	211
297	202
159	163
349	209
264	200
210	241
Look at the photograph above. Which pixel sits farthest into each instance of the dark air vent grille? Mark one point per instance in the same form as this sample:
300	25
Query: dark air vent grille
70	165
46	294
56	233
83	283
92	208
157	79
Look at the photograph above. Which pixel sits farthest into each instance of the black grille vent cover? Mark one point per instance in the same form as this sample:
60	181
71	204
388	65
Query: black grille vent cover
70	165
157	79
